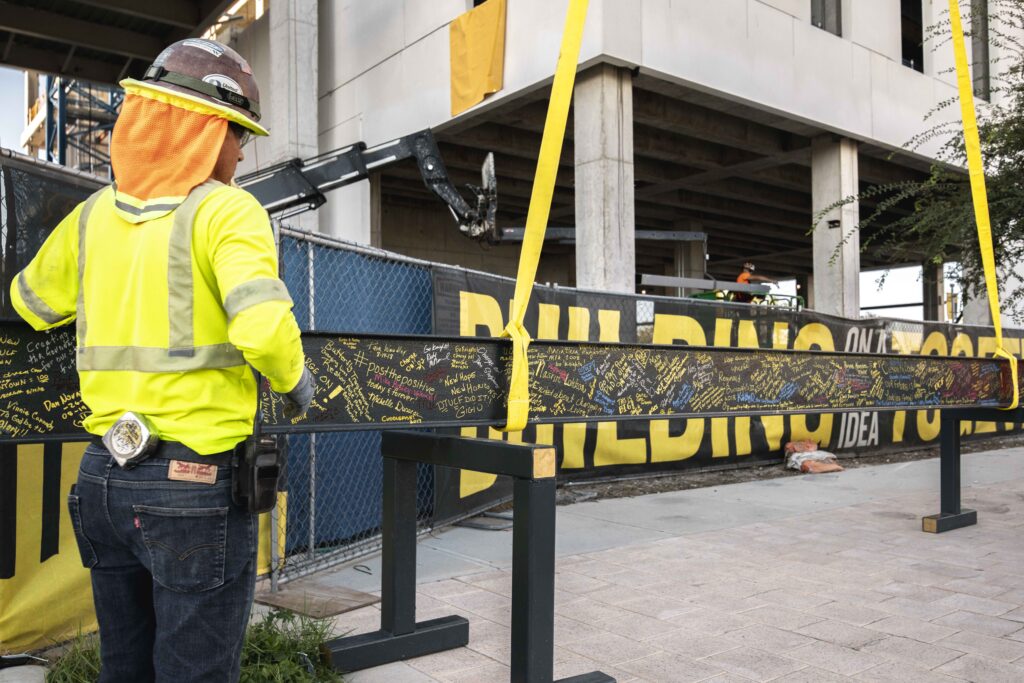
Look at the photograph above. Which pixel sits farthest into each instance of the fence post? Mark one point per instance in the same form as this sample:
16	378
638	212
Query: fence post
311	274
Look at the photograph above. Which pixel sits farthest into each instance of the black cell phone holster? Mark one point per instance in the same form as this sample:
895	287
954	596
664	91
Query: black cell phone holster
256	471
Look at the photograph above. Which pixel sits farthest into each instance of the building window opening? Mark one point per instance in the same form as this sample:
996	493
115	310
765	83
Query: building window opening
827	15
912	33
979	49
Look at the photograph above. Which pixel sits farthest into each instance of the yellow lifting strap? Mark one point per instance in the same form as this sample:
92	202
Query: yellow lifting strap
977	174
540	208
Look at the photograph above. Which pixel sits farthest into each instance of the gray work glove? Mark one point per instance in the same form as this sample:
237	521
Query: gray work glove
296	401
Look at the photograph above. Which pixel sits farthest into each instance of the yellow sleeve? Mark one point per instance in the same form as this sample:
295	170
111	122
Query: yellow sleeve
45	293
244	261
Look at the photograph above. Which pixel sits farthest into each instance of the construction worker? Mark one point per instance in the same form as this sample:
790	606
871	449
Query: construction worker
745	278
171	276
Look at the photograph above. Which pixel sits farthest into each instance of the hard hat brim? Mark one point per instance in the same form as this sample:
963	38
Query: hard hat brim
180	98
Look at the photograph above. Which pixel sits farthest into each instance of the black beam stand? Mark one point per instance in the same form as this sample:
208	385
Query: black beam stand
951	515
400	637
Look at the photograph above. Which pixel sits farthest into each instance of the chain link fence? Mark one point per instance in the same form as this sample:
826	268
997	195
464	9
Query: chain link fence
334	481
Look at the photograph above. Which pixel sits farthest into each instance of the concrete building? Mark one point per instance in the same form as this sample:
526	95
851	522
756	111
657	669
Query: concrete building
737	118
741	119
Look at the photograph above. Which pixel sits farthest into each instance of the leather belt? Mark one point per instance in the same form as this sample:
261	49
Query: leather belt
173	450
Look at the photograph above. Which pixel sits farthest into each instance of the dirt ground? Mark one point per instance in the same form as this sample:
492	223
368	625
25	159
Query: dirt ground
580	491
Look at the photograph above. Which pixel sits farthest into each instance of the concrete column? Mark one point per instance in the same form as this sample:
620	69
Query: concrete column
293	120
605	225
933	287
836	237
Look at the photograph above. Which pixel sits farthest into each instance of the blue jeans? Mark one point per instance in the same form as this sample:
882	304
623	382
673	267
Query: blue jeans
173	568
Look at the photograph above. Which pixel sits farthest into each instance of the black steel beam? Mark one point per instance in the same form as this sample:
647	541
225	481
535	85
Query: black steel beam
391	381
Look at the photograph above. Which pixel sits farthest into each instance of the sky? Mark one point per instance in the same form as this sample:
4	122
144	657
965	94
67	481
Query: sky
12	113
898	286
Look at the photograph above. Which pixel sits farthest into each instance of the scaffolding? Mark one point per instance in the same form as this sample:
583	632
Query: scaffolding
80	117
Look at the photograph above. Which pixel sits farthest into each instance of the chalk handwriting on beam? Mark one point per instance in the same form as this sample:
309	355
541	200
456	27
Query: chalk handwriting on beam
372	382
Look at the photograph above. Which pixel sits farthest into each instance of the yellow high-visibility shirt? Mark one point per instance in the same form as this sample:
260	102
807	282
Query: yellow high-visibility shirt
168	312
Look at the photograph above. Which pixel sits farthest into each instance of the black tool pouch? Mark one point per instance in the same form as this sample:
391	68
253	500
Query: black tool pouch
256	471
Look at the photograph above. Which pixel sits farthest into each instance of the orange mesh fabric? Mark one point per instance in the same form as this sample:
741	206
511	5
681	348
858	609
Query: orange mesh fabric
160	152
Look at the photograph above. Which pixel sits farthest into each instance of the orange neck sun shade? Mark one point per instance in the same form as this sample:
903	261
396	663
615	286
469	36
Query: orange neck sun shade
159	152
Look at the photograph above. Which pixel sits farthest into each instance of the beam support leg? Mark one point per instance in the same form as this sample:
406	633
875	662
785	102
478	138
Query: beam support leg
533	580
533	585
398	554
951	515
399	637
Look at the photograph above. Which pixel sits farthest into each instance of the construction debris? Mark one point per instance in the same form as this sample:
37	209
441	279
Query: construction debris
807	457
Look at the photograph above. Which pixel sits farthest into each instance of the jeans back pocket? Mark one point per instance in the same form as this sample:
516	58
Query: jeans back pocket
186	546
85	549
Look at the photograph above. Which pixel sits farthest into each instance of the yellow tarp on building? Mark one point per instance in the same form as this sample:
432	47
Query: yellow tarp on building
477	54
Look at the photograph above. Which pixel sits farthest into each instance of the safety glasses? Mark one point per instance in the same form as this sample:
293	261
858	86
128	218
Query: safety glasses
243	134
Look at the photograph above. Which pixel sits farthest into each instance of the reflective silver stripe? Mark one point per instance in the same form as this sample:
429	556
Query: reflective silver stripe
179	269
254	292
83	221
153	359
40	308
136	211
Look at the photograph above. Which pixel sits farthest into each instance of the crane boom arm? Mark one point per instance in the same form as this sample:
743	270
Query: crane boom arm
298	185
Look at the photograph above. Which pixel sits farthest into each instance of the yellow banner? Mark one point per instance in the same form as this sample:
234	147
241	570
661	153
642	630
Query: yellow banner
48	598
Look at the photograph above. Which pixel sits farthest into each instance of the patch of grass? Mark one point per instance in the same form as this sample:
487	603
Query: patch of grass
273	646
282	647
80	662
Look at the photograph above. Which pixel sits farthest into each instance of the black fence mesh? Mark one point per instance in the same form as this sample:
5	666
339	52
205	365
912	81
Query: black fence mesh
335	480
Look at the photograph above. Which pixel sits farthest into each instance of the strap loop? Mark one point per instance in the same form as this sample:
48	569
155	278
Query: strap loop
1013	376
519	384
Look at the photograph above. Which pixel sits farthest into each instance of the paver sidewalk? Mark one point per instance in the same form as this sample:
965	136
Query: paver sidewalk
824	578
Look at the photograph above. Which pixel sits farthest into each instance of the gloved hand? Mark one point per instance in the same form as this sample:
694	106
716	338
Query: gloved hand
296	401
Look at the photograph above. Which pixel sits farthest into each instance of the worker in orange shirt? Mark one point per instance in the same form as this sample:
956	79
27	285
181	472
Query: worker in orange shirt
747	277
